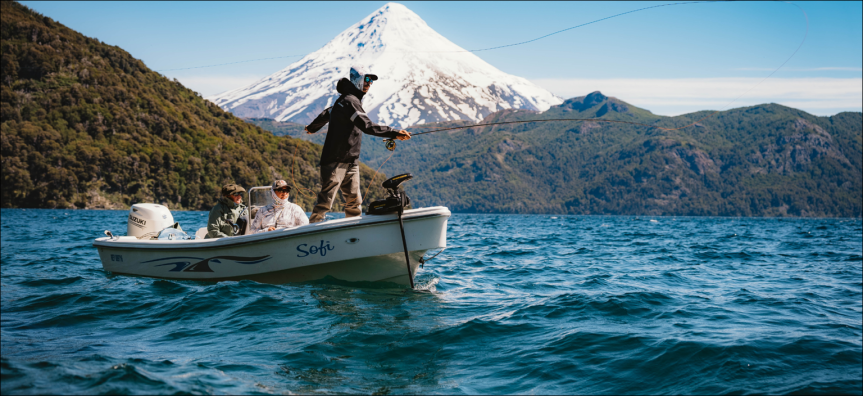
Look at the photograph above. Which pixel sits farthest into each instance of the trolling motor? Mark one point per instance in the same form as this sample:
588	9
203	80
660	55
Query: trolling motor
396	201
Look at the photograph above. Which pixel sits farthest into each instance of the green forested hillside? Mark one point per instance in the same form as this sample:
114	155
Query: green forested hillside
86	125
766	160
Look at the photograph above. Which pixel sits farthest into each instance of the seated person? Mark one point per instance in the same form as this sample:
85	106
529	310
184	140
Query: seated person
280	213
227	213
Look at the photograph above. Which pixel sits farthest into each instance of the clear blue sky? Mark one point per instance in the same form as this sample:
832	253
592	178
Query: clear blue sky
669	60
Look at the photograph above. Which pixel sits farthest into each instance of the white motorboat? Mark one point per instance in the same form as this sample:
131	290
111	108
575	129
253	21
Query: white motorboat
367	248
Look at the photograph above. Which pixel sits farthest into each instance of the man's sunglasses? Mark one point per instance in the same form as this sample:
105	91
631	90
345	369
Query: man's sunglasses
283	190
368	80
237	194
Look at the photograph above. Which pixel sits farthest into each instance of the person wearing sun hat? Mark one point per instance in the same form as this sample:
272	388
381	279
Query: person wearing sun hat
227	213
280	213
348	122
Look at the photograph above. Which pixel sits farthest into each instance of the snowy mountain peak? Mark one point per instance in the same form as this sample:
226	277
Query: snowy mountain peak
423	77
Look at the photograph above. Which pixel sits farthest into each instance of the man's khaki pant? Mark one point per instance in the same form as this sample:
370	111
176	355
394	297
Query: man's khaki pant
344	177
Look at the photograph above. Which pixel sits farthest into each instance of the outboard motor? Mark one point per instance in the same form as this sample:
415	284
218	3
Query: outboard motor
146	220
395	202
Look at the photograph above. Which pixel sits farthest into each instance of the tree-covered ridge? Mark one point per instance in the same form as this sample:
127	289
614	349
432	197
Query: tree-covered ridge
291	129
86	125
766	160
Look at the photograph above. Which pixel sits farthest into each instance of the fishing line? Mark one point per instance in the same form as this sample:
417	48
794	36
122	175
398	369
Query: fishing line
567	29
294	182
230	63
805	35
368	188
473	50
391	143
588	23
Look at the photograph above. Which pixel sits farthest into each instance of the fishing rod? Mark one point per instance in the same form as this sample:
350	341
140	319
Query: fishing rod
548	120
390	144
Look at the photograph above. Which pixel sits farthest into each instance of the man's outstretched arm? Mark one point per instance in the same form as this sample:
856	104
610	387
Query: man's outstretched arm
319	122
361	120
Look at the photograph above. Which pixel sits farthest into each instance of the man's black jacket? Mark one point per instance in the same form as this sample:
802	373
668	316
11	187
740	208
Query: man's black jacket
348	121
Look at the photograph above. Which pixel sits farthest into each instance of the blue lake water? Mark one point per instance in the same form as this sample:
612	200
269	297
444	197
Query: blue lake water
536	304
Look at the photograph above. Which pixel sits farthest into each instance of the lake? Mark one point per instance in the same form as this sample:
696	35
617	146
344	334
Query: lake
538	304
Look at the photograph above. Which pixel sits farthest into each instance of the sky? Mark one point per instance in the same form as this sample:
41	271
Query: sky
670	60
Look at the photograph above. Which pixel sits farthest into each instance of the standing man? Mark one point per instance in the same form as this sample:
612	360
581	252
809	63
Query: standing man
348	121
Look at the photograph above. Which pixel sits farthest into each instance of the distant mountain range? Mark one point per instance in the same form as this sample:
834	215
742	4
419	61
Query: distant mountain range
86	125
423	78
766	160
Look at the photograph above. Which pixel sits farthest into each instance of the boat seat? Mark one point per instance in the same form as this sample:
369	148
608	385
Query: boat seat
201	233
254	211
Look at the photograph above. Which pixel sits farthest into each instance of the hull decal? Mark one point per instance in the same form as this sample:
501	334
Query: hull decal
203	265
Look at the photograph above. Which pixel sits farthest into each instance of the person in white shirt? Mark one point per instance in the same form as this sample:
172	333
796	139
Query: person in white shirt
280	213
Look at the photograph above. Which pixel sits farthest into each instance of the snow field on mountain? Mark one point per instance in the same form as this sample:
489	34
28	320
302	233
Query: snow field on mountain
423	78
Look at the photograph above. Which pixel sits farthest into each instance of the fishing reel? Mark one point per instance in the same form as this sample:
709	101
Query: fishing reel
396	199
390	144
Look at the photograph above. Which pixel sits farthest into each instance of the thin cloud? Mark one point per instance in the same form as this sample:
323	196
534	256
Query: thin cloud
209	85
811	69
820	96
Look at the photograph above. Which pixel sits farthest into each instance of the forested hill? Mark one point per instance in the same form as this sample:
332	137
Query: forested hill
86	125
766	160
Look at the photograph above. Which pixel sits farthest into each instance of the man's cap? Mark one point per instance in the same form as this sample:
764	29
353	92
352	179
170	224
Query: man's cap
229	189
280	184
361	71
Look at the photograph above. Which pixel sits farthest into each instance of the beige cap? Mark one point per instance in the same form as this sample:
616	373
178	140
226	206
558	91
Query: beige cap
229	189
280	184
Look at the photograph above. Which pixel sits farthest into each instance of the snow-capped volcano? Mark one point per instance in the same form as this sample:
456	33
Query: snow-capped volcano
423	78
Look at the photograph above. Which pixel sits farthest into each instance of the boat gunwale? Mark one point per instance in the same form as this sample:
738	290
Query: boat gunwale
107	242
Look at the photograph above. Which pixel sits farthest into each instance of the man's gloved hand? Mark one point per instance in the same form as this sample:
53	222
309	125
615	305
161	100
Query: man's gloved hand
403	135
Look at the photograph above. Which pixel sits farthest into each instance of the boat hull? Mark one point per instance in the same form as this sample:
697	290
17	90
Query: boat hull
358	249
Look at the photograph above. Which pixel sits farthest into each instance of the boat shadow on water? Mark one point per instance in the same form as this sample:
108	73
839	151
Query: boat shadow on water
422	286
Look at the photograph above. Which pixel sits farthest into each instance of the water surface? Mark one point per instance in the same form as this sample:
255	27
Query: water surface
518	304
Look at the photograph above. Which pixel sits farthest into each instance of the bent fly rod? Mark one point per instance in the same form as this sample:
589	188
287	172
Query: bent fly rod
391	143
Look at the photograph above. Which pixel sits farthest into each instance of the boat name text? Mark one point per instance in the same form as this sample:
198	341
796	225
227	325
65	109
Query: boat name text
322	249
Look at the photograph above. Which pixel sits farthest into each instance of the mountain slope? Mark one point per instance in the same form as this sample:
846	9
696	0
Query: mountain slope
423	78
86	125
766	160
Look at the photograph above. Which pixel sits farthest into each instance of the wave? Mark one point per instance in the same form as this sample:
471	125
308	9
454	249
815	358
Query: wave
517	304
